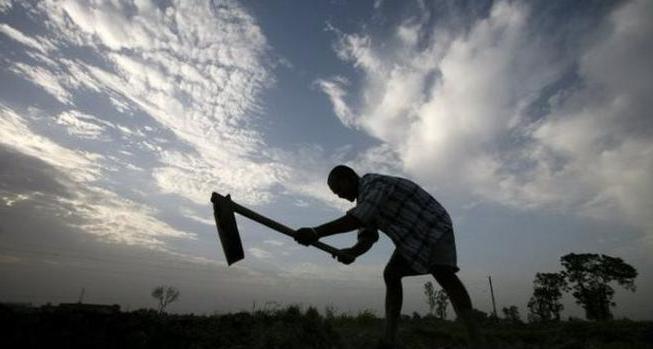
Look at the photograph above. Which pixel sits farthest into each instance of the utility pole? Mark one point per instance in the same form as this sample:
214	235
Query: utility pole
81	296
494	306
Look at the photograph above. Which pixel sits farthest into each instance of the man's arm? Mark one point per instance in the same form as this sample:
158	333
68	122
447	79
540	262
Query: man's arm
366	238
341	225
307	236
360	247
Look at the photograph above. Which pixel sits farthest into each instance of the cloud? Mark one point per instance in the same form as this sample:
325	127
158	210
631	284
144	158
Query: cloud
513	109
174	88
335	89
5	5
276	243
194	67
38	44
259	253
310	165
15	133
189	213
44	78
82	125
62	181
118	220
603	128
193	70
11	199
367	274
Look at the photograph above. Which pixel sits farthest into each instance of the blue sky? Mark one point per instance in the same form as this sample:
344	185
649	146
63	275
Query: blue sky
530	121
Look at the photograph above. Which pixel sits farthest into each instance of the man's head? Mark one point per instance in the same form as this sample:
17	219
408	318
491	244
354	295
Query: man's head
343	182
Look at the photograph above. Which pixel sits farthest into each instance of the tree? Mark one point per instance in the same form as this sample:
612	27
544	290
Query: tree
442	301
436	300
511	314
429	292
545	304
589	275
165	295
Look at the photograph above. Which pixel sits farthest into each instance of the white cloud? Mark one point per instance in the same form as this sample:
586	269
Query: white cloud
334	272
118	220
38	44
196	68
14	132
454	107
259	253
82	125
12	199
5	5
189	213
276	243
310	166
335	89
44	78
301	203
196	177
603	129
378	159
94	209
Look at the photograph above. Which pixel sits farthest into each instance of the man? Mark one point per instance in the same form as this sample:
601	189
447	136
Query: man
418	225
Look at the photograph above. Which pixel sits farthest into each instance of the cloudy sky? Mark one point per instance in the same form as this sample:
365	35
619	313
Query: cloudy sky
530	121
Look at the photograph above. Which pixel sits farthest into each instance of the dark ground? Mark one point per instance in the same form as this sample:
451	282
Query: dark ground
289	328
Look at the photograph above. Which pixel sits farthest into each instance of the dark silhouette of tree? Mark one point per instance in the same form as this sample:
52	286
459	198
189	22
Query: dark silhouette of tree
589	275
544	304
441	301
437	300
165	295
429	292
511	314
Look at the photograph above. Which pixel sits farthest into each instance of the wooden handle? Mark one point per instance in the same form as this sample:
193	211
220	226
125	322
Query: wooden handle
278	226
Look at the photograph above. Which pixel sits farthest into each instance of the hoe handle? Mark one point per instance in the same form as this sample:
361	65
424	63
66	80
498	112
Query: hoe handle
278	226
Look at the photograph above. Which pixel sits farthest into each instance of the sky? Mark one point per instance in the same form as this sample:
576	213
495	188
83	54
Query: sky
528	120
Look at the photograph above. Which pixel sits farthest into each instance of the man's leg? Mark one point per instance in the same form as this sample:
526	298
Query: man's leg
396	269
460	300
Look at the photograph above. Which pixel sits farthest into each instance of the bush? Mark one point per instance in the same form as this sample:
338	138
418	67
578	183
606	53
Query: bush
291	328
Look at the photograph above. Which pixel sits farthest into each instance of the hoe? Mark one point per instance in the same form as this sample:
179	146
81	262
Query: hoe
225	220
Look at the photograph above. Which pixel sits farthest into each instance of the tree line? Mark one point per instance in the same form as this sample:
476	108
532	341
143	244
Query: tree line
588	276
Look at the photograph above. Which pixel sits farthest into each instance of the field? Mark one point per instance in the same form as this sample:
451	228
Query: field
292	327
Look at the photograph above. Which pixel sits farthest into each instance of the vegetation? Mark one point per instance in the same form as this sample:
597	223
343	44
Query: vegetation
165	295
511	314
293	327
545	304
436	300
589	276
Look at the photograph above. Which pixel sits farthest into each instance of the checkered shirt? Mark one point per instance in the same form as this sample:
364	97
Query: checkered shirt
405	212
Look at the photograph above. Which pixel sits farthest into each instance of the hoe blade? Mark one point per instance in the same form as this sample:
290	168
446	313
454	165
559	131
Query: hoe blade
225	221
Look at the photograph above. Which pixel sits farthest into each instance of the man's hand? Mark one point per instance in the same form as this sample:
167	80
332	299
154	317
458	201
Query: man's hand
306	236
345	256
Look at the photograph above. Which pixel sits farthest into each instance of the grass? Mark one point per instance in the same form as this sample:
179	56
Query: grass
295	327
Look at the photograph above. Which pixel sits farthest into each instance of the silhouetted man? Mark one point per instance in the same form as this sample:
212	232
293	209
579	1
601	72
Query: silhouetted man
418	225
